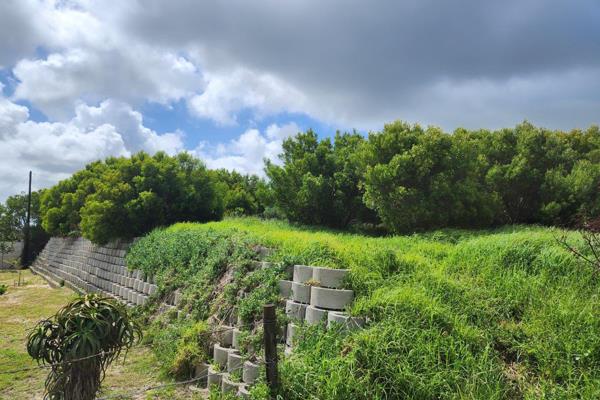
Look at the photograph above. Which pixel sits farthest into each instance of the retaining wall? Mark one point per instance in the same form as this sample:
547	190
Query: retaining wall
89	268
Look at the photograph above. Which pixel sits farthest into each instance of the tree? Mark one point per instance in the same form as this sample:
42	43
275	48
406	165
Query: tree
318	182
79	343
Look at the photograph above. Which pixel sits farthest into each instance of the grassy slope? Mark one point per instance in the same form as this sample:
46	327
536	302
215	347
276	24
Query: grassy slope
21	307
455	314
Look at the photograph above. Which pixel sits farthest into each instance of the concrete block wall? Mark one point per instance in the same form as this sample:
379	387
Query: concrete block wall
316	295
89	268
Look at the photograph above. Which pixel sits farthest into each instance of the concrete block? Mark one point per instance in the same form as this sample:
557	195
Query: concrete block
234	361
285	288
302	273
250	372
243	392
220	354
315	315
227	385
201	371
301	292
225	335
350	323
295	310
146	288
291	332
330	299
153	289
214	377
235	338
328	277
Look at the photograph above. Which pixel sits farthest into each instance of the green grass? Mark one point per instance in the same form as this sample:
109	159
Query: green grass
454	314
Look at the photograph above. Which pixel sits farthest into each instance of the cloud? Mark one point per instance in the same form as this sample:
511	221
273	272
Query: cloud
247	153
54	150
226	94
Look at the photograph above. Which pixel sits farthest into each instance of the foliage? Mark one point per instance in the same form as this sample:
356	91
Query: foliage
506	313
79	343
415	178
3	289
179	345
127	197
241	194
317	183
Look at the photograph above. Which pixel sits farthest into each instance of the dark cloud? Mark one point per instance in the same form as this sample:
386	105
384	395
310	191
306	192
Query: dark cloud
374	60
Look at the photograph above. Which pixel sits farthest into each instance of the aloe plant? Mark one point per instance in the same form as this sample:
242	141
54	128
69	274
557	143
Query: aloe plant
79	343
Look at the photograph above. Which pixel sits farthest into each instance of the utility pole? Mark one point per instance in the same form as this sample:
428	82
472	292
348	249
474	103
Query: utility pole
26	239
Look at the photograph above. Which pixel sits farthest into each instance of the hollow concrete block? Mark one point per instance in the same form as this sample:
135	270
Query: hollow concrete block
234	361
235	338
315	315
214	377
201	371
250	372
302	273
225	335
295	310
291	331
285	288
221	354
330	299
227	385
301	292
243	392
350	323
329	277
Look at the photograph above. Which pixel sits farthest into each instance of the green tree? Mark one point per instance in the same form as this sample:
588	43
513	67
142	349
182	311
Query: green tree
318	182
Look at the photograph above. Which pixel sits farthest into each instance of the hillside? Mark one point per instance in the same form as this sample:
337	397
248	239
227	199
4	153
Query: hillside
451	314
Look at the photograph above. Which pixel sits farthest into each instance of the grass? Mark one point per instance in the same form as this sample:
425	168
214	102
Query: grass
493	314
21	307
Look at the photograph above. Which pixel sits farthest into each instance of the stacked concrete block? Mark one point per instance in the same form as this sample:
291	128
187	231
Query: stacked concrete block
228	362
88	268
316	295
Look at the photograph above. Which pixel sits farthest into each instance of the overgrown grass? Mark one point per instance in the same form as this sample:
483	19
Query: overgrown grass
453	314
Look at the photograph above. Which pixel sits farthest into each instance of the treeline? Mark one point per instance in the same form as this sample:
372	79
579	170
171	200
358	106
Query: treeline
128	197
402	179
411	178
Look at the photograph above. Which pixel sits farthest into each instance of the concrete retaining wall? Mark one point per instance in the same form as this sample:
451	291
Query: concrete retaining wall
88	268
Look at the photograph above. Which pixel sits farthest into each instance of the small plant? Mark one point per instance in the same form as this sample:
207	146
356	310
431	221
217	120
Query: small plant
590	233
312	282
79	343
3	289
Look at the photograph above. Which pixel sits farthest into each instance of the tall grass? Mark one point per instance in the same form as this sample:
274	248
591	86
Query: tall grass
453	314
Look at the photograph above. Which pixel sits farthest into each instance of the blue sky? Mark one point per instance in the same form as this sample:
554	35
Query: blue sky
229	81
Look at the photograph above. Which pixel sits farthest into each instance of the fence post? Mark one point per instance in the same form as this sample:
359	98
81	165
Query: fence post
270	336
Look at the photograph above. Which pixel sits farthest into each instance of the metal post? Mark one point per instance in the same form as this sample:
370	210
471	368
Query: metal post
26	239
270	336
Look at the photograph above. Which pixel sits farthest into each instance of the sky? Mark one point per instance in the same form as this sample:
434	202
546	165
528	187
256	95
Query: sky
229	80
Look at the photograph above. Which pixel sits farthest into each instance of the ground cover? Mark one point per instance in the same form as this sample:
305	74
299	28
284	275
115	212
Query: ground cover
504	313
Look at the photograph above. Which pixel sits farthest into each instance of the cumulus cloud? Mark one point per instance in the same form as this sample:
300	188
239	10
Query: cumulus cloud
228	93
54	150
246	154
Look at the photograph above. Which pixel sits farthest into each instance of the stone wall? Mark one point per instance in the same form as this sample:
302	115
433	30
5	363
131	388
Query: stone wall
9	260
89	268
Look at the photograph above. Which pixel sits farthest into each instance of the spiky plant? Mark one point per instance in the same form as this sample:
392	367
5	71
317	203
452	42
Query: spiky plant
79	343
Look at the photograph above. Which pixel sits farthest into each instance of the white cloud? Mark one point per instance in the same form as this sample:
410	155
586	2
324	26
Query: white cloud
133	74
247	153
227	93
54	150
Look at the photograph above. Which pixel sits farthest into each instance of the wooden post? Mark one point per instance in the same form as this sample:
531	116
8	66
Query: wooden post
270	336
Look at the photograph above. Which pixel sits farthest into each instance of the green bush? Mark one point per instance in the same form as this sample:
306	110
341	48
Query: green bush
127	197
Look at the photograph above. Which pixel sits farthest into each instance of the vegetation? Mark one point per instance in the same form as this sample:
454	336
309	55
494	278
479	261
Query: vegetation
13	218
79	343
416	178
3	289
507	313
